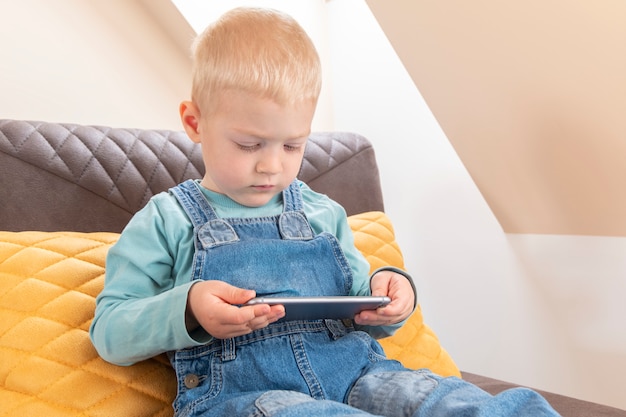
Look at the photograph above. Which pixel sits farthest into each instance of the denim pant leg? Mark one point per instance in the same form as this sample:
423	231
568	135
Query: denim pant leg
423	394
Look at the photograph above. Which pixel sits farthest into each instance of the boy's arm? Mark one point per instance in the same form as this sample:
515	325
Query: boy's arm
141	310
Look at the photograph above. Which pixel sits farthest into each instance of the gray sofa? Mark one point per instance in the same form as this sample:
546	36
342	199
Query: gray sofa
60	177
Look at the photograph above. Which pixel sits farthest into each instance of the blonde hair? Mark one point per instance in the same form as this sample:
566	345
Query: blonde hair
259	51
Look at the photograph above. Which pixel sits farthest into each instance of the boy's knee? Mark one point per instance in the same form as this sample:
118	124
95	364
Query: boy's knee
392	393
295	404
273	402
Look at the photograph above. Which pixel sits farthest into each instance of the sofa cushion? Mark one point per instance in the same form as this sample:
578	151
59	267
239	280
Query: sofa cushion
48	285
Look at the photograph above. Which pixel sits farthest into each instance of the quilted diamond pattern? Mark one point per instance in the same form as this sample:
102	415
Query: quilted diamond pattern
322	154
124	166
48	284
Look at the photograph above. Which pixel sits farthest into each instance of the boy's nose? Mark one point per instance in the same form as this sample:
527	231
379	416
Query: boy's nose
270	163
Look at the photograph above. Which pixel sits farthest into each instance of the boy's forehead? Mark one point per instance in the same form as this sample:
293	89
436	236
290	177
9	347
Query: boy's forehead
262	117
229	96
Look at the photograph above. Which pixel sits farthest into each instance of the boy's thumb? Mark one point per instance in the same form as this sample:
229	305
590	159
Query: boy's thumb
235	295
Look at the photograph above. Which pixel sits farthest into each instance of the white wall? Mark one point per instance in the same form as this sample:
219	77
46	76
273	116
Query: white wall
540	310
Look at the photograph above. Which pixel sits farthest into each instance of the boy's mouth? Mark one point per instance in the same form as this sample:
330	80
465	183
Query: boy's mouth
265	187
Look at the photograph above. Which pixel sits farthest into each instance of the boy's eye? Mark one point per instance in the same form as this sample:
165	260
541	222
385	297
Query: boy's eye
248	148
251	147
292	148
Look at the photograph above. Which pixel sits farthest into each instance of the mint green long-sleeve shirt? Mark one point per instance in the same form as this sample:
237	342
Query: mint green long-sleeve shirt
141	311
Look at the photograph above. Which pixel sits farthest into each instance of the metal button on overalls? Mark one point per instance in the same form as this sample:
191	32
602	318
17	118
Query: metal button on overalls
191	381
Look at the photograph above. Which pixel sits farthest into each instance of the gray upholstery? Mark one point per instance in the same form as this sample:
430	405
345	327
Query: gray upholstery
94	178
566	406
88	178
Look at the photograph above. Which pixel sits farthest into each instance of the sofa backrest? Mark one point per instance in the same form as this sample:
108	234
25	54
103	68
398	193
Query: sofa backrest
58	176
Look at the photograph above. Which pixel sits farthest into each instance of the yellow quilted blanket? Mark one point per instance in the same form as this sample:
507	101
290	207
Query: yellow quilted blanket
48	367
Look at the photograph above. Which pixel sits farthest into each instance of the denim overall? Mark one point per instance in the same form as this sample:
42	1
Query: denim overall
290	368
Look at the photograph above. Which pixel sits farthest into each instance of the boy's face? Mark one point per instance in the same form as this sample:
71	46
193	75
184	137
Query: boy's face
252	147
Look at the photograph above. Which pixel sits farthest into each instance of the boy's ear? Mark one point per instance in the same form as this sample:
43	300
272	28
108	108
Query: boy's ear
190	116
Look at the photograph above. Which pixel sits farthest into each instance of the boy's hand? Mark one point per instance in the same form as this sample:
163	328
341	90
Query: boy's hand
399	289
210	305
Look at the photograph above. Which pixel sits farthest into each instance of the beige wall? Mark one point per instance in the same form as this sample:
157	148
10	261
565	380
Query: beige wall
113	62
532	95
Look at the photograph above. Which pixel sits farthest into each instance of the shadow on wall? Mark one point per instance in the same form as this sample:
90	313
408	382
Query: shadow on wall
582	281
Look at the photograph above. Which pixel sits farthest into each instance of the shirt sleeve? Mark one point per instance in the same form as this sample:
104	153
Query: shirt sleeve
141	311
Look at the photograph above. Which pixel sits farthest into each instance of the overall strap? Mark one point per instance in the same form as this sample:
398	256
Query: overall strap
293	223
292	197
209	229
193	202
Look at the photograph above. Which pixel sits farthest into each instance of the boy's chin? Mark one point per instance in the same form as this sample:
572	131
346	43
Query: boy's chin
253	201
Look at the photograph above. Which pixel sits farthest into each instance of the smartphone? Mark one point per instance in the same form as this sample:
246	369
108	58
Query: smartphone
323	307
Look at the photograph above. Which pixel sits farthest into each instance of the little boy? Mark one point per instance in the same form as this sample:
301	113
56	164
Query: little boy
186	263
